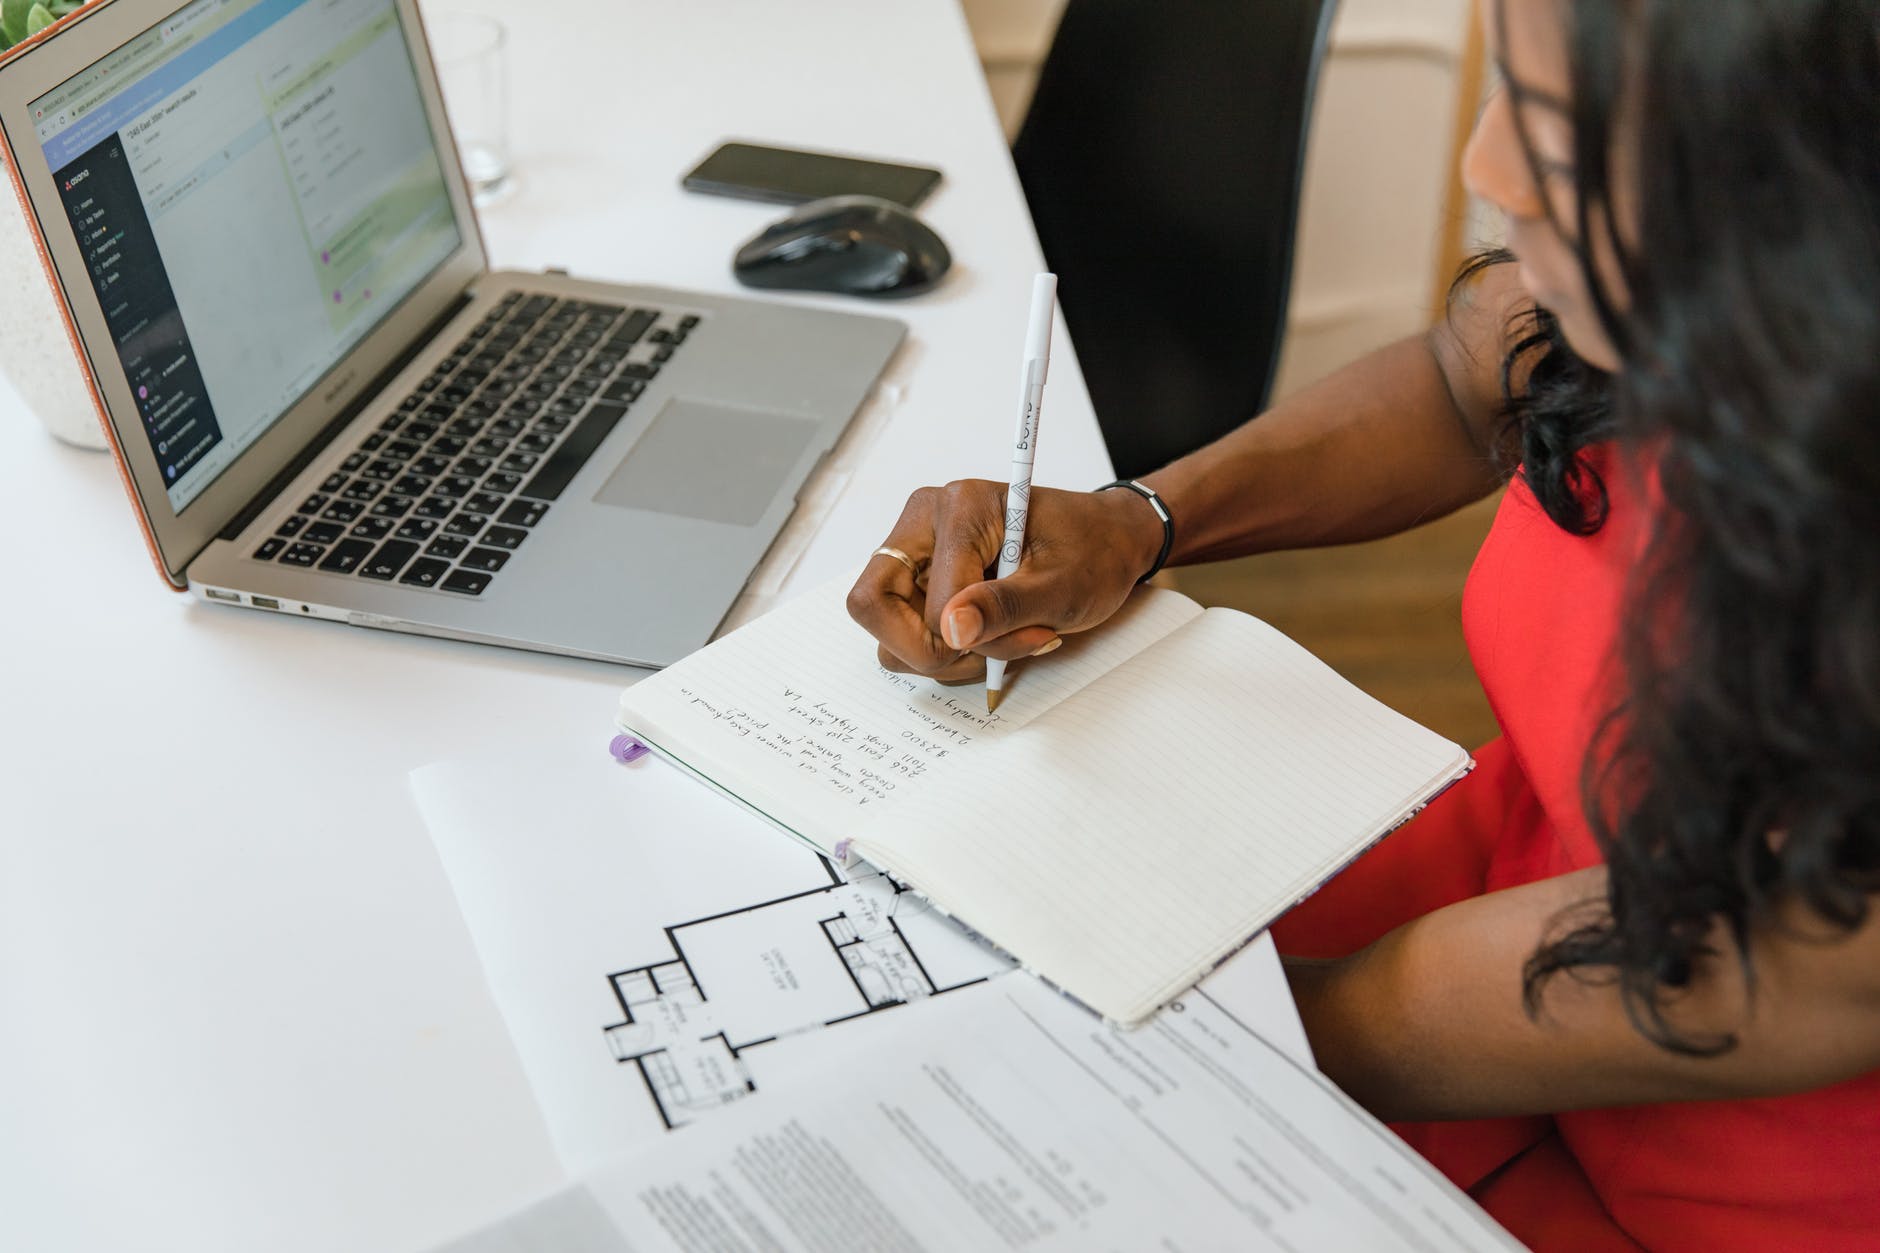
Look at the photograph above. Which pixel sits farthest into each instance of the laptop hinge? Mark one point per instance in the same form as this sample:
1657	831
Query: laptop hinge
317	445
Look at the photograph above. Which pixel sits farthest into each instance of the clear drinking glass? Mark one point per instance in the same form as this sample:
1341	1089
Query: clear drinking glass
471	51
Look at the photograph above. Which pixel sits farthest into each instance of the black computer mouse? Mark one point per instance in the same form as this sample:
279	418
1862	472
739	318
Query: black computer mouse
856	245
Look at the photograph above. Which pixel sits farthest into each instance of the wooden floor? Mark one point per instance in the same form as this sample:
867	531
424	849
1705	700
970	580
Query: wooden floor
1386	615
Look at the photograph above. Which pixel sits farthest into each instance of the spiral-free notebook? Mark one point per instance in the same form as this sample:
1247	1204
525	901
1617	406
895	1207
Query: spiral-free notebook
1148	798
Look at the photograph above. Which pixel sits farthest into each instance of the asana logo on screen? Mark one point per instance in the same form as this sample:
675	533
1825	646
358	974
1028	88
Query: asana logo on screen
76	179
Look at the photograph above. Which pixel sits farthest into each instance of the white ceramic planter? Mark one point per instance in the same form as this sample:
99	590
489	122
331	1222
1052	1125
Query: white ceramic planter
35	350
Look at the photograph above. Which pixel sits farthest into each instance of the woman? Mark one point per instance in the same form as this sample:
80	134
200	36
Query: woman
1624	982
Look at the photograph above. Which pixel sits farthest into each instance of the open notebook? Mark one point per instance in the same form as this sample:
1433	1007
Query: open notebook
1147	799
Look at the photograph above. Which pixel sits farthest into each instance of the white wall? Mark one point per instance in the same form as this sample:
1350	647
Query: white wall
1372	221
1012	37
1377	167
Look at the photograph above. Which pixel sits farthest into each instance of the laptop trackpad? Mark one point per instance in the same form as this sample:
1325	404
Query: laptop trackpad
708	461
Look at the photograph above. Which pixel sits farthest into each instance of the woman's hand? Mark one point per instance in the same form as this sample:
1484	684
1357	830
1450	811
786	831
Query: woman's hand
1084	551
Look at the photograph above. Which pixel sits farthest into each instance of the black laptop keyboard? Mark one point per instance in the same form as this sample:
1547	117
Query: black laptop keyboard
447	488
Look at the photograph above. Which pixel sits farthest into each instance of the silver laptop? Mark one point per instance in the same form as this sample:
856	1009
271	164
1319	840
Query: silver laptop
327	406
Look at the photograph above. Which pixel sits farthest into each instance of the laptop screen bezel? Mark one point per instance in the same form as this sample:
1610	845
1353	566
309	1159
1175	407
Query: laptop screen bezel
178	538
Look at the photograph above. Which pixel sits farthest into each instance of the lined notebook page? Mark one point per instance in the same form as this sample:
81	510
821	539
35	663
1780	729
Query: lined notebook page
793	715
1127	841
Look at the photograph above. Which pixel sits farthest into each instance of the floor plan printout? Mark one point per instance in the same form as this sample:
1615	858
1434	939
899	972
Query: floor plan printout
660	954
1007	1118
657	952
774	970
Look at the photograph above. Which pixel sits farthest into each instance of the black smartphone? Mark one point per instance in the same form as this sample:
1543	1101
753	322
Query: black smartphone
788	176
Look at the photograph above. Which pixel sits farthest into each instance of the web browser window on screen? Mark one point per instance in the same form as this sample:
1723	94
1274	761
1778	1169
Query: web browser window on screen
253	185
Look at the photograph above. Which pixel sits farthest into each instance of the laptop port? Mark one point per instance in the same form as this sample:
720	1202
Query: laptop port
215	593
264	602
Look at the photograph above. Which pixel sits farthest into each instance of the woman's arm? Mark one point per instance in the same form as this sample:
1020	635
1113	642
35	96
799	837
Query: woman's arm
1400	437
1428	1023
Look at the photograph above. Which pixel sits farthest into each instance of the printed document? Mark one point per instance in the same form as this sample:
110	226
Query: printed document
1008	1118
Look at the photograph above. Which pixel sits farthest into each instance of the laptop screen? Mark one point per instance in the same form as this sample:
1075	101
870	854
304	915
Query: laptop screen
254	186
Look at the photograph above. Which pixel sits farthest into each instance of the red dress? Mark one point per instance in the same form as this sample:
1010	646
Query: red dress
1540	614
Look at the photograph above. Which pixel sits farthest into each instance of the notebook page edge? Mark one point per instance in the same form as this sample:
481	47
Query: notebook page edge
1284	902
756	800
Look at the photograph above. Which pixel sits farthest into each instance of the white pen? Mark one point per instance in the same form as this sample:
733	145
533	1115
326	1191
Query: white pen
1024	449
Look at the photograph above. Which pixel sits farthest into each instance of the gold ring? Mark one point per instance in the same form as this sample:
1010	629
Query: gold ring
888	551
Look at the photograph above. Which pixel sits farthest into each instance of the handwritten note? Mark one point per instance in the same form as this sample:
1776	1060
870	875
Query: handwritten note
797	707
822	742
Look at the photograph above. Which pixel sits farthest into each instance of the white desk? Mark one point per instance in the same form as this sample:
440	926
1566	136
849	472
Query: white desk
238	1007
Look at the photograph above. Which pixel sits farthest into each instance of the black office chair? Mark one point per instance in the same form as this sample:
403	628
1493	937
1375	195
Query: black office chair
1163	158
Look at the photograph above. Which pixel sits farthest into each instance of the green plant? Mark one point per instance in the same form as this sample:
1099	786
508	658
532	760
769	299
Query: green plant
22	19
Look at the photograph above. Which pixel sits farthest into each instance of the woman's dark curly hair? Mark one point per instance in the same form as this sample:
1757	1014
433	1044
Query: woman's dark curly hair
1741	768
